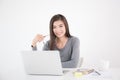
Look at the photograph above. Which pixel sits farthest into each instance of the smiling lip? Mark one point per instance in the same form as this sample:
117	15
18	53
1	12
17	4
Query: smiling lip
58	33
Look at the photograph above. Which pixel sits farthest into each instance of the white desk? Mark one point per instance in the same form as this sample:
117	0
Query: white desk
16	74
112	74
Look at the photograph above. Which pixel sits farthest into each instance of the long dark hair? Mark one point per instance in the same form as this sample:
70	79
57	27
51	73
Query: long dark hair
52	35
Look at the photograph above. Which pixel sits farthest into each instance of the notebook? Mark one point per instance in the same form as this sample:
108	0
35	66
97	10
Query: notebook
42	62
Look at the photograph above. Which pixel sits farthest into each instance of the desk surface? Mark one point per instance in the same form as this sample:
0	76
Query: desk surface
16	74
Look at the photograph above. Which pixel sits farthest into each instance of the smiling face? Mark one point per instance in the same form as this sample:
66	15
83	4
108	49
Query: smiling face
59	29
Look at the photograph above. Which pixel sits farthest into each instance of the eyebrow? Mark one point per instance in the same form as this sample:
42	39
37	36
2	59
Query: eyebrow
59	25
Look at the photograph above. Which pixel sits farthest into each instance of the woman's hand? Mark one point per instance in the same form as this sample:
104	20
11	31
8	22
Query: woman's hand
38	38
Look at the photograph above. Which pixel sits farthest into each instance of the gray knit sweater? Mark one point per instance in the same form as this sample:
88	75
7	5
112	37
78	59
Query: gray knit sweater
69	53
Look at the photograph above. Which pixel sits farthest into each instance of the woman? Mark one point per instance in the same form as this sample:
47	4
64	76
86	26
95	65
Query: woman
61	40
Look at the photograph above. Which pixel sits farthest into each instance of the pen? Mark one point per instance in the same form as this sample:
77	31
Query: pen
97	72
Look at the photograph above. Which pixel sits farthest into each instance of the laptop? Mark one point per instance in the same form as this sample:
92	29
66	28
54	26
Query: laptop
42	62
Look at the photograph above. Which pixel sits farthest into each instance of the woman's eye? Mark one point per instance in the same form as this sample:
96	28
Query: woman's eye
61	26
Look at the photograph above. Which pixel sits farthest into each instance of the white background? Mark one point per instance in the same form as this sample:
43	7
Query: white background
95	22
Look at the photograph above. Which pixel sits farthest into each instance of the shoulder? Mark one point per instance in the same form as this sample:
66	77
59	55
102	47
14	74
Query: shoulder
74	39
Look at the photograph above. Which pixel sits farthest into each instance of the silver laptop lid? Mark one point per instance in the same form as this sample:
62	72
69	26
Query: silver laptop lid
42	62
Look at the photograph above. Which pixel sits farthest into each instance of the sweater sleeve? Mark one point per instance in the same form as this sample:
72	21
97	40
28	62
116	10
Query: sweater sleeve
73	62
46	46
34	48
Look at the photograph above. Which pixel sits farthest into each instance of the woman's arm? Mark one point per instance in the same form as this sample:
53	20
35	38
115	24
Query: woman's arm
37	38
73	62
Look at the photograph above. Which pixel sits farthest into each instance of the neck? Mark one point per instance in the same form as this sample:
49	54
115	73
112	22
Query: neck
62	39
60	42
